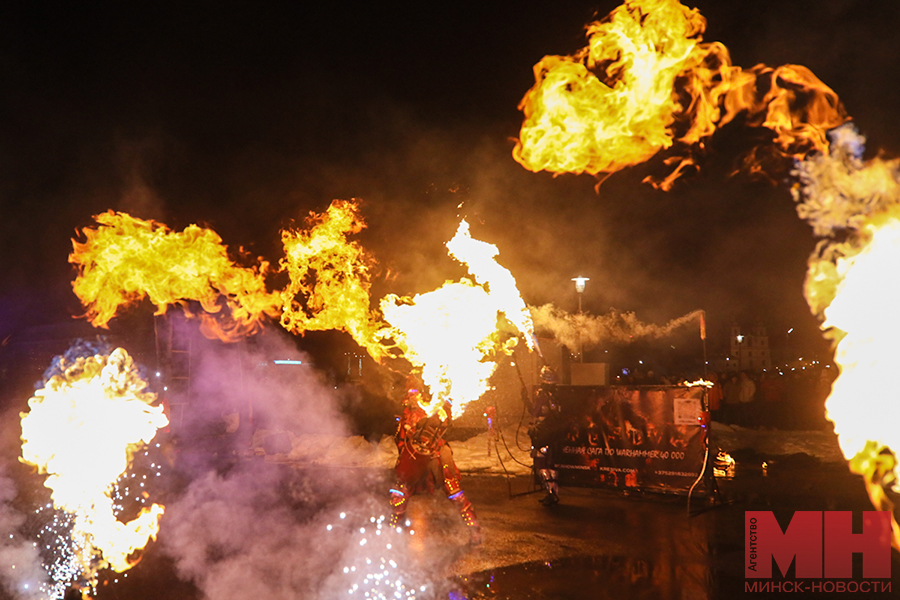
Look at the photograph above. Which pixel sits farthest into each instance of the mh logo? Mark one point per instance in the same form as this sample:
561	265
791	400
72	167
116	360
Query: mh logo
822	547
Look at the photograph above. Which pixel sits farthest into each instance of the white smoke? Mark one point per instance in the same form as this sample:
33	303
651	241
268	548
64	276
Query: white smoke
572	330
291	394
255	528
838	190
841	195
236	536
21	571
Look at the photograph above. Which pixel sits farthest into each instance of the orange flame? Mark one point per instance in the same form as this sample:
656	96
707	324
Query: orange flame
643	79
126	259
697	383
452	334
853	287
331	276
81	430
646	81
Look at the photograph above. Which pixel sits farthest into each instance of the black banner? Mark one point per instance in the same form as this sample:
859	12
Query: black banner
644	438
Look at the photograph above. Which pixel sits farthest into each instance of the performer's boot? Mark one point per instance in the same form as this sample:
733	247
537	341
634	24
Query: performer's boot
548	480
467	512
399	500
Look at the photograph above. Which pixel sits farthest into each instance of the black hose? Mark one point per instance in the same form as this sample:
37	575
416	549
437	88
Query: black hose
507	474
526	402
505	445
705	439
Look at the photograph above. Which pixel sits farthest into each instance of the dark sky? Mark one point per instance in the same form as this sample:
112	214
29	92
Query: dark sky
244	116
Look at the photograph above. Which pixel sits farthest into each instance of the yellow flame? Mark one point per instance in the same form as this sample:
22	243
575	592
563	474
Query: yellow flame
698	383
481	260
126	259
863	318
329	278
867	346
852	285
81	430
452	334
646	80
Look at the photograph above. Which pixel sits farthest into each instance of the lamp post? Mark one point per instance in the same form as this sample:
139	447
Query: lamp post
788	350
579	289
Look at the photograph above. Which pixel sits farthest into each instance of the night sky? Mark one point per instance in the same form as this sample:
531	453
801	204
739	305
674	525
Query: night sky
246	116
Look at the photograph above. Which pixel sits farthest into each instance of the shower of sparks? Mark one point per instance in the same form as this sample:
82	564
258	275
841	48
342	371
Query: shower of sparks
60	549
376	572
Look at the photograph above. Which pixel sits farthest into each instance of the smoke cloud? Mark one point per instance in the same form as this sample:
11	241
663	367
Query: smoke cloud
21	571
236	536
251	527
571	330
841	196
838	190
245	379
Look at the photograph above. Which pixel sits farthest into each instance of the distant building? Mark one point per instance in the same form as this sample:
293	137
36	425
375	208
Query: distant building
749	352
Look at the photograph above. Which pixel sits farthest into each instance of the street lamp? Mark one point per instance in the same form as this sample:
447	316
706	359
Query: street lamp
579	289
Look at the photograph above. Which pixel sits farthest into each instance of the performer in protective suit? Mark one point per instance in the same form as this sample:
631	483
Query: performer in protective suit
424	459
545	413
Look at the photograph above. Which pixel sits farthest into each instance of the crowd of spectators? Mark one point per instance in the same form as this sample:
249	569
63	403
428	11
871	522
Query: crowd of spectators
792	399
789	400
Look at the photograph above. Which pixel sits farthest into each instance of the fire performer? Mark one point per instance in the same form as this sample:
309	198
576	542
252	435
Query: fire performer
544	412
424	459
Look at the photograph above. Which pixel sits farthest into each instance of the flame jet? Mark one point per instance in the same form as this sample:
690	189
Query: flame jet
646	81
126	259
330	278
81	430
853	287
616	103
452	334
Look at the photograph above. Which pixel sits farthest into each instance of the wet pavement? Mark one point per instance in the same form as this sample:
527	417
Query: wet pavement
602	544
599	544
595	544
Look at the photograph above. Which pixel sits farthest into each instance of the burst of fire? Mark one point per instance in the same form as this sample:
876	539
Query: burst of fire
645	77
452	334
645	81
329	278
81	430
126	259
852	285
